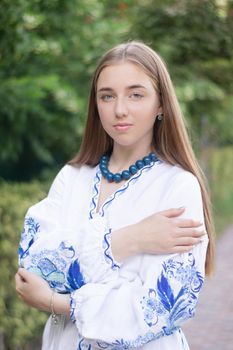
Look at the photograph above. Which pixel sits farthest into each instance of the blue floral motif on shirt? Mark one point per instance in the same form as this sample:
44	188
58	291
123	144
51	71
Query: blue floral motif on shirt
175	295
74	276
58	267
28	236
128	344
171	301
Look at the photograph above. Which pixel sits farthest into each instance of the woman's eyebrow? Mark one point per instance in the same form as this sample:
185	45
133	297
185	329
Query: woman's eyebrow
130	87
136	86
105	89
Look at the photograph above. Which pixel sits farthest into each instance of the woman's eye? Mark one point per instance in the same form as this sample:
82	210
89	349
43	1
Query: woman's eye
106	97
136	96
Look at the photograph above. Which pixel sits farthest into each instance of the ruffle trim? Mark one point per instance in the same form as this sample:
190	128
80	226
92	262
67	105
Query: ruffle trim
96	260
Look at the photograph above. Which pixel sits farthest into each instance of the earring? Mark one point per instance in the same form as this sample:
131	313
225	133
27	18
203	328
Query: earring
159	116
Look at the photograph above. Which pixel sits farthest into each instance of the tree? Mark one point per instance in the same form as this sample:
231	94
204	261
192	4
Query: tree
48	51
196	40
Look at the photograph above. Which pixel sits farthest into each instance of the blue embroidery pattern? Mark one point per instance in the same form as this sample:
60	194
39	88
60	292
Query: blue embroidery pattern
116	194
120	191
107	253
58	266
73	306
83	345
28	236
126	185
173	300
127	344
175	296
95	195
75	278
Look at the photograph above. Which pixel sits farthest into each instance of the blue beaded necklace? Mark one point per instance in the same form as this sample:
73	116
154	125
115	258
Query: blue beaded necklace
125	174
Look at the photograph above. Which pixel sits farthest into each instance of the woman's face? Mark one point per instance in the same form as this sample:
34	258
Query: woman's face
127	104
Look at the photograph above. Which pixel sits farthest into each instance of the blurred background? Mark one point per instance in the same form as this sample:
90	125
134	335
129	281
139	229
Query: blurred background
48	51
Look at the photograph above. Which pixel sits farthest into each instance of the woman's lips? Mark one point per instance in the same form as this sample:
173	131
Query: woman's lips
122	127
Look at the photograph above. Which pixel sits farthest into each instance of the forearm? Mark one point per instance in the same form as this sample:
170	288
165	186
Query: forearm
61	304
52	302
160	233
36	292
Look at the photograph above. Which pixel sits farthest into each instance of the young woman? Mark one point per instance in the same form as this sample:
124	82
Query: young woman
118	250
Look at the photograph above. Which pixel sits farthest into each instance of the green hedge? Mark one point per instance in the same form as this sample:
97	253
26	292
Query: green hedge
220	178
22	326
19	324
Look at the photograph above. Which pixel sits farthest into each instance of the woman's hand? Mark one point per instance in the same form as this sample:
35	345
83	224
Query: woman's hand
35	291
160	233
165	232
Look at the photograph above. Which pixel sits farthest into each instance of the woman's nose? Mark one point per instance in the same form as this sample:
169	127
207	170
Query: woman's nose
121	109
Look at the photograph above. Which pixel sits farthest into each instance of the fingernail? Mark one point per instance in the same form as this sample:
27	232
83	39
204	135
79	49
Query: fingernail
181	208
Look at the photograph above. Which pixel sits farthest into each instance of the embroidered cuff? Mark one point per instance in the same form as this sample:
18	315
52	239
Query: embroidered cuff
72	308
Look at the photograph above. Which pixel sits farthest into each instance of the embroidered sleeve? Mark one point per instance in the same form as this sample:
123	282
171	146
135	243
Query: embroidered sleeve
48	249
41	218
124	313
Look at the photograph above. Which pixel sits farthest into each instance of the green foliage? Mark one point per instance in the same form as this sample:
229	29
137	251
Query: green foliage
14	314
47	53
43	104
196	39
220	169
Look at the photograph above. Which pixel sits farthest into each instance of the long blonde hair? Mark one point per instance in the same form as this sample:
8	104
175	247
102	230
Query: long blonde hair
170	139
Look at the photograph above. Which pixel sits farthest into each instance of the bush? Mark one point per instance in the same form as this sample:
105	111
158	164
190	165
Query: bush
221	169
19	324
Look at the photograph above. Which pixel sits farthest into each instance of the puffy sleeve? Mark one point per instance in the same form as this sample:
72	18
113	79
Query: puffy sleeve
163	293
47	248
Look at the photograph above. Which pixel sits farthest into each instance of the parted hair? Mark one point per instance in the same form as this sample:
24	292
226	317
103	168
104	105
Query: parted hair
170	137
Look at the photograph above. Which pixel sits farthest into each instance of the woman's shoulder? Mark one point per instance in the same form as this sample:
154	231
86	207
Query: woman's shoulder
175	174
64	182
69	171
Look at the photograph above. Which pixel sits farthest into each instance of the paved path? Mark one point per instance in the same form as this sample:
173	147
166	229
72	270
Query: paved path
212	327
